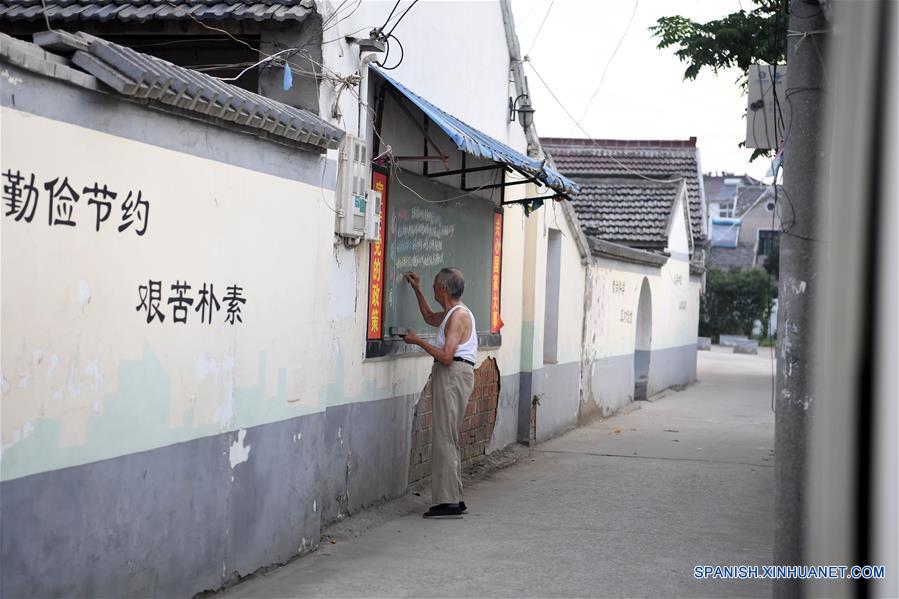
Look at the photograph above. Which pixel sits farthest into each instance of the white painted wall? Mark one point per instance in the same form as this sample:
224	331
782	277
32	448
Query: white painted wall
610	327
85	377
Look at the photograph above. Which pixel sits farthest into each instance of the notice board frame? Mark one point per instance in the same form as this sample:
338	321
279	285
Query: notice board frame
376	345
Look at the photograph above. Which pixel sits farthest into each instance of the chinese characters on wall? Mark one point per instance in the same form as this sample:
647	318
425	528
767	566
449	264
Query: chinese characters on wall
65	203
195	302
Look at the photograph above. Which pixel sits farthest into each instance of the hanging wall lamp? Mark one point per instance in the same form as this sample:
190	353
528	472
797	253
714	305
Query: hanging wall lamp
522	106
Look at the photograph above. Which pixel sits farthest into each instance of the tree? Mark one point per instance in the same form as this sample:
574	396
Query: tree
734	300
737	40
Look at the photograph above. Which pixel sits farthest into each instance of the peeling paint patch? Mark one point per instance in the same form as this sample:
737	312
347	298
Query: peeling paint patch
54	362
18	435
84	294
239	453
4	385
314	505
10	78
93	370
37	356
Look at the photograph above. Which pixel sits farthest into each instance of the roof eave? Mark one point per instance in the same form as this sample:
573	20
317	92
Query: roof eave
623	253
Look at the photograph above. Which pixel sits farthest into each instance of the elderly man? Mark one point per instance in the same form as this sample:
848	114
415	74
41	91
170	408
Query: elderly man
452	380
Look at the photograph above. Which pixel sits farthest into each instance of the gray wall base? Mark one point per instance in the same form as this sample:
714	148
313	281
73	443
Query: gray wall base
366	454
170	522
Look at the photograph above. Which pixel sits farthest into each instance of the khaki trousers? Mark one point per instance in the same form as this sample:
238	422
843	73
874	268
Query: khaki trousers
451	386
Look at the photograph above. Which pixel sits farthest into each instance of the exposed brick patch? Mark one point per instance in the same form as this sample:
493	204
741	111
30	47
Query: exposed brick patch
476	431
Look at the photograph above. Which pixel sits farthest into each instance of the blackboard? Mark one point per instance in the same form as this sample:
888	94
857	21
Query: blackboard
429	228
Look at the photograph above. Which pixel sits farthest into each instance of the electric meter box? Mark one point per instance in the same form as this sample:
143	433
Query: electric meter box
352	192
373	216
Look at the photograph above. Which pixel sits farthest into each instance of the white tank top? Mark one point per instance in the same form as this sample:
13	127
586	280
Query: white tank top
467	350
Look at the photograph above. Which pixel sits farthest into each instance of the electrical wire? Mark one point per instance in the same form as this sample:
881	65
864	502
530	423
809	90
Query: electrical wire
611	58
344	18
539	29
593	141
402	53
529	14
395	169
333	14
402	16
390	16
46	15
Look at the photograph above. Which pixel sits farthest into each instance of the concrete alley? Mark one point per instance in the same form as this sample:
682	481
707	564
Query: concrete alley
624	507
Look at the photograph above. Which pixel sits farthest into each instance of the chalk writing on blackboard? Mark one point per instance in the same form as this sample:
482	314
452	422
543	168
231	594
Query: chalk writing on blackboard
420	236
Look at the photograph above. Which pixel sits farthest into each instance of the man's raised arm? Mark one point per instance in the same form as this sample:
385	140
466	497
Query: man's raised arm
432	318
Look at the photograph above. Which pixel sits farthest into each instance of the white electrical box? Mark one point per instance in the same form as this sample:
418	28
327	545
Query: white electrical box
767	113
353	182
373	216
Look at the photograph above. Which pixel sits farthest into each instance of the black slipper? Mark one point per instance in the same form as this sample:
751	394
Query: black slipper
443	510
463	507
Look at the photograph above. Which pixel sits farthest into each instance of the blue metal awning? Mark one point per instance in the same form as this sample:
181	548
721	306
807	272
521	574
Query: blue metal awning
480	145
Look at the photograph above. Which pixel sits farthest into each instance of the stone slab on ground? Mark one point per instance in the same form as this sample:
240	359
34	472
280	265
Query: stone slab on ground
730	340
747	346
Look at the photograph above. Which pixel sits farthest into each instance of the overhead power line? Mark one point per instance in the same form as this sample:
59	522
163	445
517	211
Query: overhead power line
539	29
402	16
611	58
589	138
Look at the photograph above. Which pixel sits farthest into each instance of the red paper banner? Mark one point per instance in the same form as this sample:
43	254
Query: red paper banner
496	323
376	274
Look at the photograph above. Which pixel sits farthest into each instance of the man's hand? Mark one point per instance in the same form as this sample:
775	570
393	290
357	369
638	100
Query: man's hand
411	338
413	279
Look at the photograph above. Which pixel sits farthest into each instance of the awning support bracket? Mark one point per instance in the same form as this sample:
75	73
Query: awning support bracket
555	196
405	109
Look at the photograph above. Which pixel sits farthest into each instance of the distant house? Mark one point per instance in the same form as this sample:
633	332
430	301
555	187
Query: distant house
743	224
721	190
640	212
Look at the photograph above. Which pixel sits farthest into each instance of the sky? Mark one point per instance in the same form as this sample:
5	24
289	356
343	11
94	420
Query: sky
644	95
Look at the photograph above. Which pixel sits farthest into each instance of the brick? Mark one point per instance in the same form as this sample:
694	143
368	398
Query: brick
491	418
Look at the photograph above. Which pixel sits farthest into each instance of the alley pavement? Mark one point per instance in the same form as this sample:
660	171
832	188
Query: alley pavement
624	507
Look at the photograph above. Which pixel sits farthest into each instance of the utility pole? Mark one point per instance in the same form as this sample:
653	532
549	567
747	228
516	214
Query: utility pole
799	245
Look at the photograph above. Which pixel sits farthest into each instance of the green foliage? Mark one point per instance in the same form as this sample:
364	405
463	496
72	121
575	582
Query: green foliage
736	40
734	300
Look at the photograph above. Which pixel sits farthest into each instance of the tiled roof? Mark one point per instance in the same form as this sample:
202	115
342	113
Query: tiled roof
584	160
632	212
168	86
147	10
717	190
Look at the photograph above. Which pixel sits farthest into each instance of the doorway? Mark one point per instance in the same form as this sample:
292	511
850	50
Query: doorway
643	342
